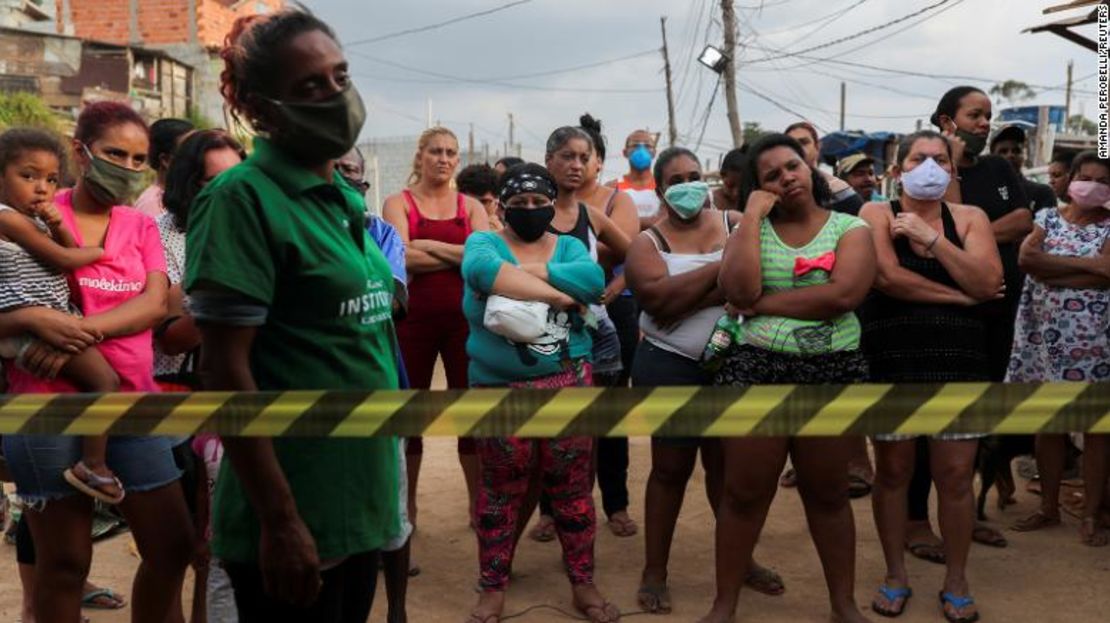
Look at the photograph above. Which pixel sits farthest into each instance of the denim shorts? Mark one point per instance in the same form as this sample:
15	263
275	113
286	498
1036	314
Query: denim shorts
658	367
37	462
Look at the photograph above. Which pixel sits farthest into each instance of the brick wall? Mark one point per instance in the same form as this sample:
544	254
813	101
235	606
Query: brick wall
215	17
163	21
103	20
160	22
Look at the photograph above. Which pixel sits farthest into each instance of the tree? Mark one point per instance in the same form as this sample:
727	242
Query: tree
752	131
1078	124
1013	91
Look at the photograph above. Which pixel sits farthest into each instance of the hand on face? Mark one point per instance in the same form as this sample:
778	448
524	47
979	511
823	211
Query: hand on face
49	213
958	145
760	203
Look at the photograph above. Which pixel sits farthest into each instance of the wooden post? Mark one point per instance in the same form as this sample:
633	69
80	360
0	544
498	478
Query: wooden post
672	130
728	22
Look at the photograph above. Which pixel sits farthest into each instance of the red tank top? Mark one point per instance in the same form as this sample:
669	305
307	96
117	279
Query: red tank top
441	291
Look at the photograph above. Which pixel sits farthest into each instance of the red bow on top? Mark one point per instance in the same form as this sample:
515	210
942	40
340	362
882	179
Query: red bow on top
821	262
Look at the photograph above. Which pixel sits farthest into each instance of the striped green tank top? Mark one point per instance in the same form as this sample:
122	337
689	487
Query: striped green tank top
791	335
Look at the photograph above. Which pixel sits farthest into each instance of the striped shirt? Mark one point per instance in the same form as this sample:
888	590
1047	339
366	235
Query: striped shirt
791	335
27	282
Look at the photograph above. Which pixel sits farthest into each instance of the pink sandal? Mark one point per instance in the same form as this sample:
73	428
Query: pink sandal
91	484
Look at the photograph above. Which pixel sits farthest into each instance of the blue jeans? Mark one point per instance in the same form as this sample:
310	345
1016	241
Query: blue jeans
37	462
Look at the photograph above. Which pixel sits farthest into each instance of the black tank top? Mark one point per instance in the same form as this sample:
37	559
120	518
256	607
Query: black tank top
928	267
908	342
581	230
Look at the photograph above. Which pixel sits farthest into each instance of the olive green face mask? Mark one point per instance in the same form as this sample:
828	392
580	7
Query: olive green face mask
320	131
109	183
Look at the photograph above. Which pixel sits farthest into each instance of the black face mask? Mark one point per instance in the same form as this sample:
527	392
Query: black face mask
974	142
529	223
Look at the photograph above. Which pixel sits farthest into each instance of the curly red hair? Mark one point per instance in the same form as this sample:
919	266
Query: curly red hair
98	117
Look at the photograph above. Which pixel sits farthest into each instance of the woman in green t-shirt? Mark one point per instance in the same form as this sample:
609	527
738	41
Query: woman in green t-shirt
290	293
545	349
796	271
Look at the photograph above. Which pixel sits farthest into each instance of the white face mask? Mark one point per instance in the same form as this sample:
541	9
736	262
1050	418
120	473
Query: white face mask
926	182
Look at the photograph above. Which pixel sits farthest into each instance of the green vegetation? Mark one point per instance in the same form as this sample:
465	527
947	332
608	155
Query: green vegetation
26	109
199	120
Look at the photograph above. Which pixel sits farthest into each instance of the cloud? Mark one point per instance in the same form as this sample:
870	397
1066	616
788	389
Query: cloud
979	38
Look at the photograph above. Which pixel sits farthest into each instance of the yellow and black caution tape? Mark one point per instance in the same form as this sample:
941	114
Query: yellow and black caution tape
810	410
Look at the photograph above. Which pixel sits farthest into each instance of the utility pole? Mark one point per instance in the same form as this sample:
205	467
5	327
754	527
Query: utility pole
470	147
1067	98
843	99
728	22
429	119
672	131
512	138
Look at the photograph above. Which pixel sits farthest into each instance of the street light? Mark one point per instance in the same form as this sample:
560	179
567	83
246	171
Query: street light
713	58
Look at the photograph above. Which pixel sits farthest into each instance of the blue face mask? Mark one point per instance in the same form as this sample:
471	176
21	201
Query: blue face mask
688	199
640	158
926	182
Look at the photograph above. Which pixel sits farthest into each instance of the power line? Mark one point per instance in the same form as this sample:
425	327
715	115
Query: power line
690	34
829	19
394	111
821	19
792	86
918	74
900	30
857	35
708	110
700	76
651	52
526	87
525	76
455	20
748	86
778	105
762	5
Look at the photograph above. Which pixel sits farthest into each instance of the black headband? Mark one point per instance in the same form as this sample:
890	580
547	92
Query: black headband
518	183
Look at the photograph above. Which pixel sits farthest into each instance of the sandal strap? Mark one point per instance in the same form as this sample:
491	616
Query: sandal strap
96	479
957	601
892	593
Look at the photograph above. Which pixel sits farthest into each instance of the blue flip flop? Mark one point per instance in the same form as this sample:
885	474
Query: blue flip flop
959	603
892	594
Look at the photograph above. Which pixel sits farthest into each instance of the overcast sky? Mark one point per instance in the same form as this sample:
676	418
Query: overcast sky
978	38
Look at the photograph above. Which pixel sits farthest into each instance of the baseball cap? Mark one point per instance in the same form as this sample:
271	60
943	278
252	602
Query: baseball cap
1009	133
845	165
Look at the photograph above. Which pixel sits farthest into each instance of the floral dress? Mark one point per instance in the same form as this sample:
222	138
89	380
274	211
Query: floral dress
1063	334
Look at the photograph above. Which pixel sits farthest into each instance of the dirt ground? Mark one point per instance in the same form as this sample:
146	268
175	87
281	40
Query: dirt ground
1041	577
1046	576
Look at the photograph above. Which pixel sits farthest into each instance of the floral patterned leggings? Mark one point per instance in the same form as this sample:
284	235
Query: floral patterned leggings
508	464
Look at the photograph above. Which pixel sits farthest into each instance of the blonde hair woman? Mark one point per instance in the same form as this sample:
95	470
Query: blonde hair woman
434	220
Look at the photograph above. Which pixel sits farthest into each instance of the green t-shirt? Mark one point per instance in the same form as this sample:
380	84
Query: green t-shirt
496	360
279	235
791	335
